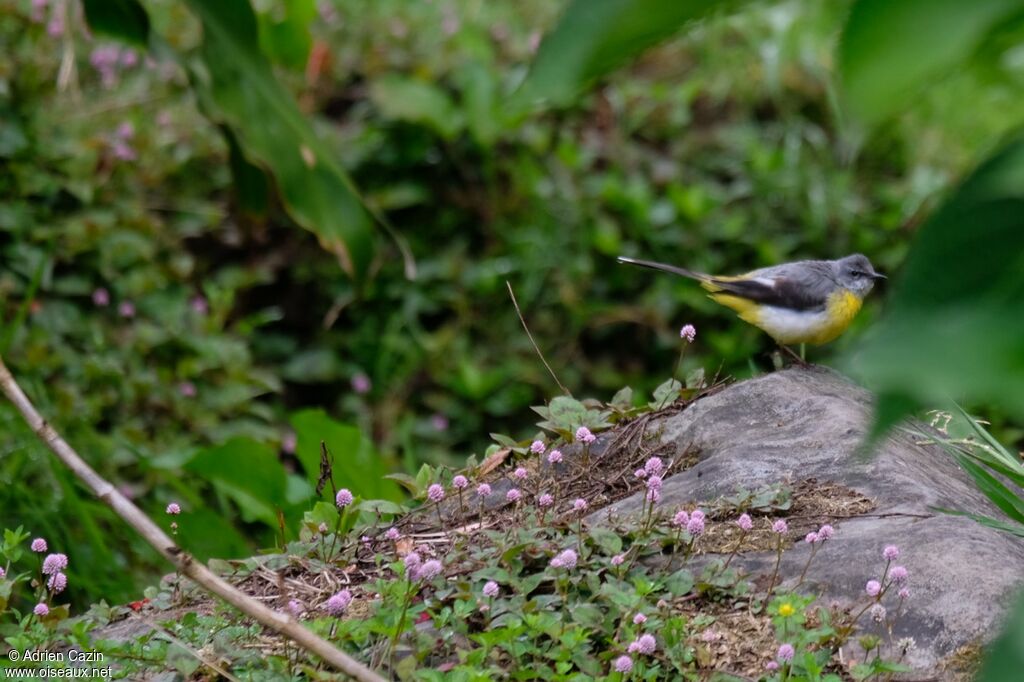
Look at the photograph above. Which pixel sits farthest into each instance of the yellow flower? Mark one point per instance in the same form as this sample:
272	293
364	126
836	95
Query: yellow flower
786	610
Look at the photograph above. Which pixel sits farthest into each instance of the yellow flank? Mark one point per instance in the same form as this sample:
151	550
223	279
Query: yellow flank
842	307
787	326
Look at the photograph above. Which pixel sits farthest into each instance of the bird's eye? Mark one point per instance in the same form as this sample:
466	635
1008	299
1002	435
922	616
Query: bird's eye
859	273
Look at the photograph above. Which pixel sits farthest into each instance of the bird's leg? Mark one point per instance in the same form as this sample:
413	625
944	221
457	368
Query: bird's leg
796	358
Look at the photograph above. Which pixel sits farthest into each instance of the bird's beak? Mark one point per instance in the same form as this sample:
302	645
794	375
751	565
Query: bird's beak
878	275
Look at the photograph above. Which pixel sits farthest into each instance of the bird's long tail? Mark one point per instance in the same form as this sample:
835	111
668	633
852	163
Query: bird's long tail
699	276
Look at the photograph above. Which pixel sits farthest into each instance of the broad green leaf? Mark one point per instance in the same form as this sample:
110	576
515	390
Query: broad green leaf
595	36
126	20
250	182
355	463
609	541
416	101
248	472
284	32
892	49
238	88
1006	655
666	394
954	325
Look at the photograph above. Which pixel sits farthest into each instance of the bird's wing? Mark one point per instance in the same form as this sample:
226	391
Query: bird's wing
796	288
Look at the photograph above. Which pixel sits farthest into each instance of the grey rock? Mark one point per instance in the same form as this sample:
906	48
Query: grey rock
809	423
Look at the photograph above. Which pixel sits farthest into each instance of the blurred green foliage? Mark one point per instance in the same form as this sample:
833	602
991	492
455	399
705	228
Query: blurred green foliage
722	150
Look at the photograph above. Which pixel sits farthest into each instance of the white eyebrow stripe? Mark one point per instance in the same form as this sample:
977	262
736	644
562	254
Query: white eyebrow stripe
767	281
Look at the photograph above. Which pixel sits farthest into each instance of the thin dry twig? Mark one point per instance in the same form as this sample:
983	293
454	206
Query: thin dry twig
161	542
530	336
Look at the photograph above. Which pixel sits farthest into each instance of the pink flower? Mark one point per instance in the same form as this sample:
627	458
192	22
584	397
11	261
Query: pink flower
483	490
654	466
644	644
744	522
439	422
826	532
187	389
337	603
579	505
429	570
343	498
392	534
435	493
460	482
41	610
520	474
361	383
584	435
289	442
780	527
771	665
639	619
623	664
653	495
123	152
545	500
55	28
125	131
126	309
640	473
513	495
554	457
566	559
785	653
101	298
412	561
899	574
873	588
891	552
537	447
618	559
295	608
173	509
681	519
54	563
697	514
695	526
654	482
3	573
811	538
688	332
904	593
491	589
57	583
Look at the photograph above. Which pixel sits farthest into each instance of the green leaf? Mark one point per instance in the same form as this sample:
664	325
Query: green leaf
123	19
623	398
588	615
248	472
608	541
252	187
356	465
1006	655
566	412
238	88
890	50
665	394
595	36
1010	503
954	324
284	31
679	583
408	99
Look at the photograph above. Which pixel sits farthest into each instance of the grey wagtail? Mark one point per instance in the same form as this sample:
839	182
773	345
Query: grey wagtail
810	301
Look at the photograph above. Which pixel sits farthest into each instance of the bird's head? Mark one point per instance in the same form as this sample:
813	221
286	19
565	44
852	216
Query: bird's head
857	274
